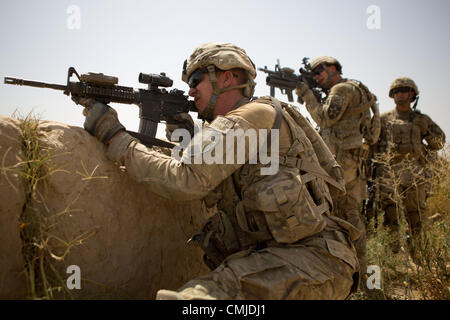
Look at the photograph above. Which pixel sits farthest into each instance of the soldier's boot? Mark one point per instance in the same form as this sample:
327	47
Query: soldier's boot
196	293
168	295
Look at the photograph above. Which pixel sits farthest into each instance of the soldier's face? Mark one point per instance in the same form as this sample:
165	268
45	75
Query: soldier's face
201	92
321	76
403	96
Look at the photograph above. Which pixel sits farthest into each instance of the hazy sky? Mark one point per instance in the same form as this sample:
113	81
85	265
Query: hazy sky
375	41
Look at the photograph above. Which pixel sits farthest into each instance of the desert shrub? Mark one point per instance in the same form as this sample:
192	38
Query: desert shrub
413	267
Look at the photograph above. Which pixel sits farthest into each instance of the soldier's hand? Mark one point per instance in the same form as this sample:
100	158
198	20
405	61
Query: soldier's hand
305	93
301	89
180	121
101	120
85	102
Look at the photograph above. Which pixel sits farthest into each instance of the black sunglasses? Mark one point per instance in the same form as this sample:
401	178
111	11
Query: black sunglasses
402	90
318	70
196	78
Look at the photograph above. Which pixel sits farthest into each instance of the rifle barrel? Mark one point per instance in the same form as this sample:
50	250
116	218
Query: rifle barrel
22	82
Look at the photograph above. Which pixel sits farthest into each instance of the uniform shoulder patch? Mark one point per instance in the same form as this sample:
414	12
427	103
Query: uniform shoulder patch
335	107
222	124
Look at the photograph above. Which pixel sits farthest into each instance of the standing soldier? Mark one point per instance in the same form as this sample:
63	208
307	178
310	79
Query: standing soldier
273	236
401	145
348	129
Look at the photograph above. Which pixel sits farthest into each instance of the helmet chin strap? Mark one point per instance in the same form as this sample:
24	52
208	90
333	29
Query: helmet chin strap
208	113
415	104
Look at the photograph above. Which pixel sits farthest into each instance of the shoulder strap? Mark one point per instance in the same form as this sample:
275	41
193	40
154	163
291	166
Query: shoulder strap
366	100
335	176
278	109
278	114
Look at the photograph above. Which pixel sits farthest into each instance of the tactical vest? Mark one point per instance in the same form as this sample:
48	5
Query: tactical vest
257	210
348	133
405	137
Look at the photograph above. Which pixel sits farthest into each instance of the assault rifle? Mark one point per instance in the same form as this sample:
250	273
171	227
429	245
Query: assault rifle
155	104
286	80
369	210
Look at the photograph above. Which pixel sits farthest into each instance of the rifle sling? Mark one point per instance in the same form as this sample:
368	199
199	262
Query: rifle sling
151	141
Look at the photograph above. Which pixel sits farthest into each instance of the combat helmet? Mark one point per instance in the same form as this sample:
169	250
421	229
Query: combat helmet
403	82
223	56
326	60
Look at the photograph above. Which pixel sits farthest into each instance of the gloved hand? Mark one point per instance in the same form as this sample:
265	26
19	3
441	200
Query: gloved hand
101	120
180	121
305	93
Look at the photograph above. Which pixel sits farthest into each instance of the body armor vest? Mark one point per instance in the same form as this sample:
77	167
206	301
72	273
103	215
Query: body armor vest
404	136
257	210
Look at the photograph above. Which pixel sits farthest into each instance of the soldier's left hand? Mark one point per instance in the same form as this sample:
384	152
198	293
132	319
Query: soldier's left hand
305	93
301	89
180	121
101	120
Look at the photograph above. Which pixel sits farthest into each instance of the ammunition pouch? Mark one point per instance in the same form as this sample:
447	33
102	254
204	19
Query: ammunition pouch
217	239
407	140
290	211
347	135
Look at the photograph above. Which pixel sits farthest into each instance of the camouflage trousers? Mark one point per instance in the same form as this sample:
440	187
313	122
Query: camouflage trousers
413	189
310	270
348	206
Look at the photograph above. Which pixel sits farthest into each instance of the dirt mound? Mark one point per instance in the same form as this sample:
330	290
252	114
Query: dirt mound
12	199
127	241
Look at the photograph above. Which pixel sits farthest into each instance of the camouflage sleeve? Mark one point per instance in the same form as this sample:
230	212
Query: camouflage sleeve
338	100
315	109
205	163
163	150
434	136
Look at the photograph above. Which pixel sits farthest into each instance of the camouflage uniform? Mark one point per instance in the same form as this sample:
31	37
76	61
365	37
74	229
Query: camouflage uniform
347	128
401	142
273	236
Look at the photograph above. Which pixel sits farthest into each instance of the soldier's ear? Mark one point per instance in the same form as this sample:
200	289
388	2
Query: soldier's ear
228	78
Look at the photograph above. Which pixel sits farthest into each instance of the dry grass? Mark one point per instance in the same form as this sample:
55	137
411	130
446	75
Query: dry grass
425	275
43	267
43	279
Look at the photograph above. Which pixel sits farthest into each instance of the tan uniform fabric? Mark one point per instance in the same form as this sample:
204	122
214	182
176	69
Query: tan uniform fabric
345	121
273	234
403	134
